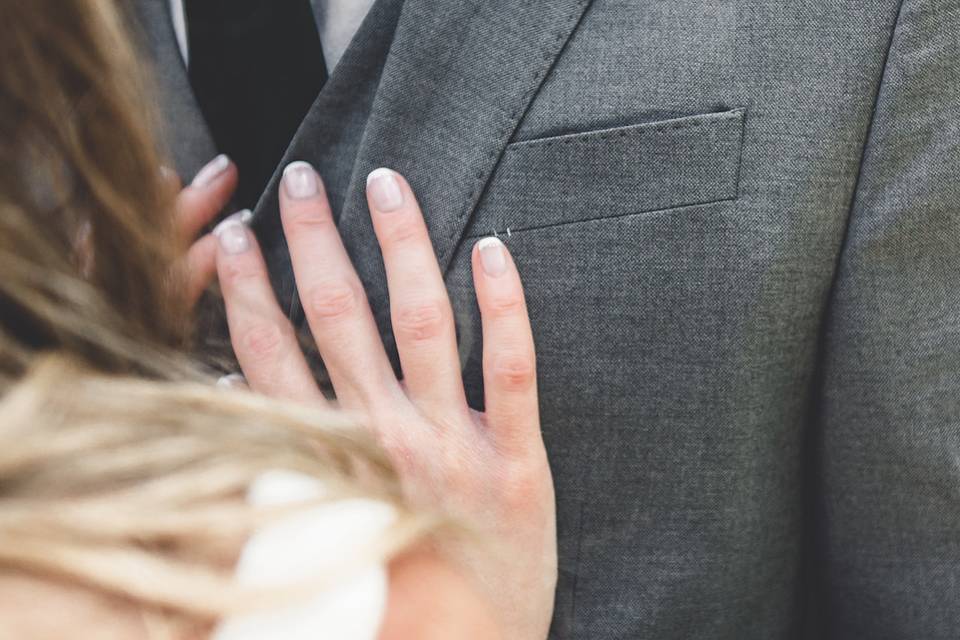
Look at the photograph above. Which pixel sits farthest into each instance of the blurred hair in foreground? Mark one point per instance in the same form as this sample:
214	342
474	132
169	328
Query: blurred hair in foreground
122	468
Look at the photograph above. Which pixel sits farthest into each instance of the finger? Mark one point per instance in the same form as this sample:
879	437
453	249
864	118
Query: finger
333	298
509	361
261	335
419	306
200	262
201	266
205	197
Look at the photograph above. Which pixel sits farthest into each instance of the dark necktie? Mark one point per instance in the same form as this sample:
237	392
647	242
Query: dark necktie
256	67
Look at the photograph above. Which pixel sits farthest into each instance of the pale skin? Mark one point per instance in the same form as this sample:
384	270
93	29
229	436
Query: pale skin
488	470
37	609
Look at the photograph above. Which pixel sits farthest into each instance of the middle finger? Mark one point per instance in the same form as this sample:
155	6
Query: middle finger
333	298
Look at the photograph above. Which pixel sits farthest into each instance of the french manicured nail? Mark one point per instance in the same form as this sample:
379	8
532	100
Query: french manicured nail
385	191
233	381
211	172
493	257
232	233
300	181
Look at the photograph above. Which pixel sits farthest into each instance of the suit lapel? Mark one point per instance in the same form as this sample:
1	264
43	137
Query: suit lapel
457	81
184	132
329	137
431	88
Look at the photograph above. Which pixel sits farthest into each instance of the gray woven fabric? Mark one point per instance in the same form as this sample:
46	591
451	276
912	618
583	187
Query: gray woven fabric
737	222
187	139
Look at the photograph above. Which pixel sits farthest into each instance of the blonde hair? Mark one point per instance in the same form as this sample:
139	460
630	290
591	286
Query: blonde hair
135	487
118	457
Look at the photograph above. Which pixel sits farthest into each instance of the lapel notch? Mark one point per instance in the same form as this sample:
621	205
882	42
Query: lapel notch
457	81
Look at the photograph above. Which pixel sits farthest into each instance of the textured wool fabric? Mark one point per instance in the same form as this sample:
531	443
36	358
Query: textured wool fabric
186	138
737	224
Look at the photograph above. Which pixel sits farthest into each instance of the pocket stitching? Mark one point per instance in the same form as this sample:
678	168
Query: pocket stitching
633	134
565	223
641	129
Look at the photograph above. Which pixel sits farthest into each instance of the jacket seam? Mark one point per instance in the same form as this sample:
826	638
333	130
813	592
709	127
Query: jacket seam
811	482
677	209
860	171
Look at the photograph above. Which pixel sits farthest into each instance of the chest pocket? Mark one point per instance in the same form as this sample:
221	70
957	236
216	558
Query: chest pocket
608	173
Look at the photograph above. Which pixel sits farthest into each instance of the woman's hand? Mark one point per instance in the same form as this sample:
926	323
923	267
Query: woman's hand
196	206
488	469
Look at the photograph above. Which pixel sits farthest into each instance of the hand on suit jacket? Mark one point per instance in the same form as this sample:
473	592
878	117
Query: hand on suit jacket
487	470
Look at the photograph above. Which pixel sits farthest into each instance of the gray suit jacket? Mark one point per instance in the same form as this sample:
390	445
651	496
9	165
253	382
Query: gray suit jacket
738	222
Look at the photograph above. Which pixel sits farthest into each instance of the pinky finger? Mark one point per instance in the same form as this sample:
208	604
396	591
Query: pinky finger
509	360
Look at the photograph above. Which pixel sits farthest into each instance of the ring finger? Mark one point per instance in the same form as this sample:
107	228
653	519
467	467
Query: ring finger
419	306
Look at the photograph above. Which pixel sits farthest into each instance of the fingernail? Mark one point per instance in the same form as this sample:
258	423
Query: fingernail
385	190
300	181
232	381
232	233
211	172
493	257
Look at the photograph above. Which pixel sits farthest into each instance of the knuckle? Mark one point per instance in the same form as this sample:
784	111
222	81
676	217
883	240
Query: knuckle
237	272
506	306
459	471
332	300
524	485
421	321
262	341
300	219
514	371
402	231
